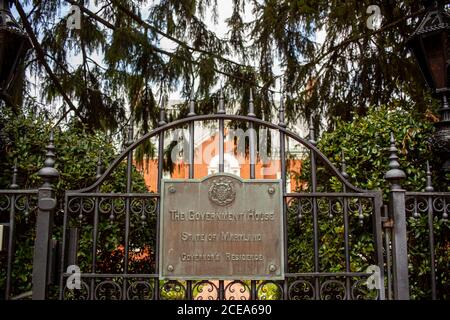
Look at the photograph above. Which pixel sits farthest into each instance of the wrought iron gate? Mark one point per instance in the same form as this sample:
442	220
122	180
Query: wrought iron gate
133	272
110	240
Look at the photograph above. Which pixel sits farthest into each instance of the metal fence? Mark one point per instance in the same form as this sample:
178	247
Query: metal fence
92	220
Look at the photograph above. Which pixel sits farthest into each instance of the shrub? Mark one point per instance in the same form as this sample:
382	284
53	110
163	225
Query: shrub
365	142
24	138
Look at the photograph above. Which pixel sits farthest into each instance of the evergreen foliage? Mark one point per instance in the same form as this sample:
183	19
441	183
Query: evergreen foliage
354	68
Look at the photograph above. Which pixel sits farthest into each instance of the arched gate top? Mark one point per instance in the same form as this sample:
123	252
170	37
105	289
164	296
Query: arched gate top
199	118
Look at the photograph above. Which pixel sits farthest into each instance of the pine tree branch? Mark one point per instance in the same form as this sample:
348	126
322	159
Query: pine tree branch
37	5
58	63
92	14
348	41
345	43
102	8
167	53
147	25
96	63
179	42
41	58
331	50
62	117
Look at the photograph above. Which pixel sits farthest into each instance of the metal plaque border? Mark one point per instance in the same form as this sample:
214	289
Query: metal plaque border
161	274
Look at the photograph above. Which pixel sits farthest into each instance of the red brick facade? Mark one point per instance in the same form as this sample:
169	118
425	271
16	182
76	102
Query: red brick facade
202	165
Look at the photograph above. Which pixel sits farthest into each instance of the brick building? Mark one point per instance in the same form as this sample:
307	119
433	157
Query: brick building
206	158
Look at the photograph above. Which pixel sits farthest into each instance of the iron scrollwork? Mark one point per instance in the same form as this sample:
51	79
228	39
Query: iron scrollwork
301	289
108	290
333	289
237	290
206	290
140	290
77	294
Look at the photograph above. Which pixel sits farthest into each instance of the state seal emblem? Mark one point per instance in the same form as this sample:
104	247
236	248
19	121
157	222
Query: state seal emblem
222	192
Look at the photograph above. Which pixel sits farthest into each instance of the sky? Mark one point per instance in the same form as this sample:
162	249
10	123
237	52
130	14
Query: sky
220	29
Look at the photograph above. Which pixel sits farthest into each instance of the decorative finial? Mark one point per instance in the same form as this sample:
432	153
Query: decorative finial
429	187
281	112
99	167
311	131
130	138
361	218
143	218
14	184
221	109
395	174
343	166
48	173
251	106
162	112
26	214
445	110
445	102
299	212
192	103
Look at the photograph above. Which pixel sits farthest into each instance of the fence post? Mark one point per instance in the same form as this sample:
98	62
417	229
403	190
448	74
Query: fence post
11	235
398	213
44	223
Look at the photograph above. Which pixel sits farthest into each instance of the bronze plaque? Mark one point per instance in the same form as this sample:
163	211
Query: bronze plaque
221	227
